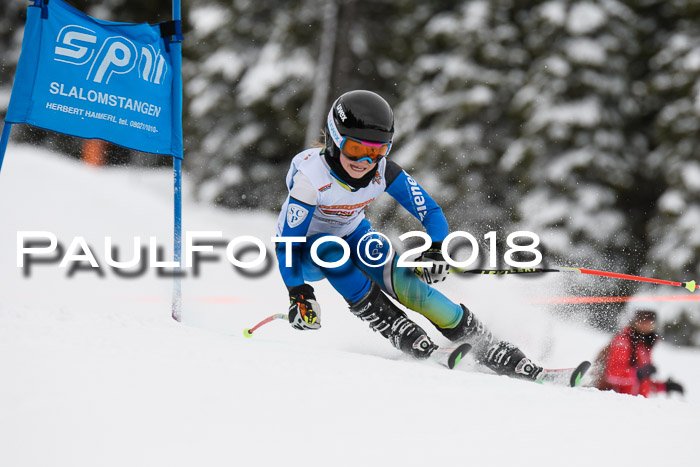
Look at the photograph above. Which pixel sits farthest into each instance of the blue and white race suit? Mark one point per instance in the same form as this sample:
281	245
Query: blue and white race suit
320	204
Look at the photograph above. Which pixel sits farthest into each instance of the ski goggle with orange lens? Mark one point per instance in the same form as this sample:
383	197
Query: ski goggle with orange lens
357	150
354	149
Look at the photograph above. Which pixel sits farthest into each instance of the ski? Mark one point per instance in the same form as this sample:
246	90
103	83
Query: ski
564	376
450	356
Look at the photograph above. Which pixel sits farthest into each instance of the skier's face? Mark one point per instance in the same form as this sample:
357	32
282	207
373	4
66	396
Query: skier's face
645	326
356	169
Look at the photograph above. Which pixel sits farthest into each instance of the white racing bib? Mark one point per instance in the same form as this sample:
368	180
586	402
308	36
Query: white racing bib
338	210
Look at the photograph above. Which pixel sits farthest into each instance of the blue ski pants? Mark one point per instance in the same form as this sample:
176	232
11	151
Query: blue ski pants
354	278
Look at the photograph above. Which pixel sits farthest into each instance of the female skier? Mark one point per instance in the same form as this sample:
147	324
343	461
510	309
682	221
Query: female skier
329	189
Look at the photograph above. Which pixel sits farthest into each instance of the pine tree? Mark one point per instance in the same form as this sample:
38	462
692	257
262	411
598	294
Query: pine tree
674	163
248	72
11	32
577	157
452	123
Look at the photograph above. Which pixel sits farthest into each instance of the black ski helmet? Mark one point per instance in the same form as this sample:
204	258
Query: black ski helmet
362	115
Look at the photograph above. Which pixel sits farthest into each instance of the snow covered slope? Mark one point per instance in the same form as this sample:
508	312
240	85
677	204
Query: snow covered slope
95	372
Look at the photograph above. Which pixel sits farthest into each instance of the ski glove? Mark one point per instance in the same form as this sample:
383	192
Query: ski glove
672	386
304	310
646	371
440	269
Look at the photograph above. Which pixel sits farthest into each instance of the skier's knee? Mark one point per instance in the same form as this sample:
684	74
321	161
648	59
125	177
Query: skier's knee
330	252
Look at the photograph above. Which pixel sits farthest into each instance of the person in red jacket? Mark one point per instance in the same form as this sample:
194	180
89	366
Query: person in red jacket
626	365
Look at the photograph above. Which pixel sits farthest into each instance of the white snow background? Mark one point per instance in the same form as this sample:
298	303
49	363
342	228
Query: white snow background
94	372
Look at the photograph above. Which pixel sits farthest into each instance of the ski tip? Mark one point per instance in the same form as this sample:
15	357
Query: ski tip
578	373
457	355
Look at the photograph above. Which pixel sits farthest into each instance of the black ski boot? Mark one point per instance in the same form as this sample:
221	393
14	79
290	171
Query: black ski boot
502	357
506	359
470	330
391	322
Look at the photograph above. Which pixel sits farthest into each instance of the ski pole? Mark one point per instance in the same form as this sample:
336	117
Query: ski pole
690	285
248	332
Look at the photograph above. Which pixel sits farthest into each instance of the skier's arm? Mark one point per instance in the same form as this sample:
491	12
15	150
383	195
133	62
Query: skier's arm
304	311
404	189
301	205
656	387
416	200
619	374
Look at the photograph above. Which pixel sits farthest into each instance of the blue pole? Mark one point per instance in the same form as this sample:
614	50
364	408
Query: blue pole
177	250
176	48
3	141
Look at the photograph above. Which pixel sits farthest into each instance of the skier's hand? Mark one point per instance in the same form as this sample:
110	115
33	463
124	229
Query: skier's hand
672	386
304	310
440	268
646	371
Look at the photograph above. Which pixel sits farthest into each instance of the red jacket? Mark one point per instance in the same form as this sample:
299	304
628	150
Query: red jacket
625	355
